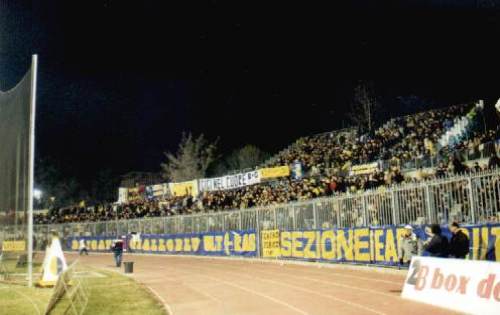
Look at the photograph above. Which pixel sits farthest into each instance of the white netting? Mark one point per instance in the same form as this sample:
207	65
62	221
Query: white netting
14	146
15	166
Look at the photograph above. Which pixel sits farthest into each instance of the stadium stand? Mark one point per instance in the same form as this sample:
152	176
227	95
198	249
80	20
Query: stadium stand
429	144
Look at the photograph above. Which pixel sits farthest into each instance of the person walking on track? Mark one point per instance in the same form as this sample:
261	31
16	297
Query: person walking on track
118	252
83	247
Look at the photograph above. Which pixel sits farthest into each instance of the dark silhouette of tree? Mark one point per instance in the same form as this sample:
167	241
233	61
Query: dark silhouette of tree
104	187
246	157
365	108
57	190
192	159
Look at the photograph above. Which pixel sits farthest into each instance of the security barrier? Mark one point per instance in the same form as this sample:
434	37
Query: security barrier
472	199
376	245
365	245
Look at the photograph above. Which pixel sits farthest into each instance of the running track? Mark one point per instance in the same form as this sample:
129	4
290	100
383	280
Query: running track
196	286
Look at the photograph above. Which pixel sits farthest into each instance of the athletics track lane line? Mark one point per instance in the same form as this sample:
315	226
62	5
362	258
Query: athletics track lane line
181	266
191	287
268	297
311	270
180	262
352	304
285	275
320	281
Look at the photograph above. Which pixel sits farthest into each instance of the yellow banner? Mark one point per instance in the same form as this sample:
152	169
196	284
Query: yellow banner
14	246
133	194
364	169
280	171
184	188
271	244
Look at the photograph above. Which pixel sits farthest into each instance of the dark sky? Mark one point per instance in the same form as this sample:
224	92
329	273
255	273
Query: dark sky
119	81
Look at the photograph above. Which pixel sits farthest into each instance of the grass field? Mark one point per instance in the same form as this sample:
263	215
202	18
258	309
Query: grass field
11	265
110	293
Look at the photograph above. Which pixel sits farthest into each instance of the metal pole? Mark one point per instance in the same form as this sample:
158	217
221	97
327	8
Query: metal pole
275	225
340	221
393	206
365	212
18	171
471	201
257	231
240	225
31	174
428	203
315	216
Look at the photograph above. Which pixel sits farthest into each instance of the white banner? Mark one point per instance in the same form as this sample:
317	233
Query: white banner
229	181
122	195
156	191
468	286
160	190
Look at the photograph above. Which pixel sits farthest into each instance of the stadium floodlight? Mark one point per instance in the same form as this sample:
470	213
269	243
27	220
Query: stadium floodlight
37	194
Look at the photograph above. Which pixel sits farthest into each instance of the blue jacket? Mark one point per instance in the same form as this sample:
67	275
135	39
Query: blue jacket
117	248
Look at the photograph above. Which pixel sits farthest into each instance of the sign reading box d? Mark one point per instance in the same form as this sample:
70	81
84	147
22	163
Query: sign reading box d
468	286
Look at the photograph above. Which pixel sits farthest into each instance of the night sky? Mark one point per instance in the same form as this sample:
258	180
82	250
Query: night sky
119	81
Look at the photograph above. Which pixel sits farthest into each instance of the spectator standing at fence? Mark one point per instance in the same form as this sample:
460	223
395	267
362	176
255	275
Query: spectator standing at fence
407	246
494	162
83	247
458	166
476	167
118	252
437	244
459	243
441	170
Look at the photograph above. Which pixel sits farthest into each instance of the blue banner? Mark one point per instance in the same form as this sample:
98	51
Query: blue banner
232	243
374	245
366	245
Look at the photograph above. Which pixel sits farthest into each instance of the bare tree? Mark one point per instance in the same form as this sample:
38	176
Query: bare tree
192	159
247	157
364	107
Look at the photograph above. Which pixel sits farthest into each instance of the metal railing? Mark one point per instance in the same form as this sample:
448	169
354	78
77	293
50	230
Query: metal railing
482	151
468	198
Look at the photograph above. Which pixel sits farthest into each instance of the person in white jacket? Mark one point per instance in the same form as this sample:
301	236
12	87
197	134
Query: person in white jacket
83	247
407	246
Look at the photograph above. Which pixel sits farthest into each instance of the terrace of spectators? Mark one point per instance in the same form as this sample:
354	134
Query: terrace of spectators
325	159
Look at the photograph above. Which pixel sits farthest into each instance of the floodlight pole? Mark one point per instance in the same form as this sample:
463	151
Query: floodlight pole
31	174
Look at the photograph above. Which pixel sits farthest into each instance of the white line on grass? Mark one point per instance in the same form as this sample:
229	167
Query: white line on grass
29	299
167	307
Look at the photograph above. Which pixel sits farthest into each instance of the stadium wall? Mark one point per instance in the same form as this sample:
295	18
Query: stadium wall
365	245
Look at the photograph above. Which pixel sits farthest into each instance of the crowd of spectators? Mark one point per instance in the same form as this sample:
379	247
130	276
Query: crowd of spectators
324	159
400	138
271	193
